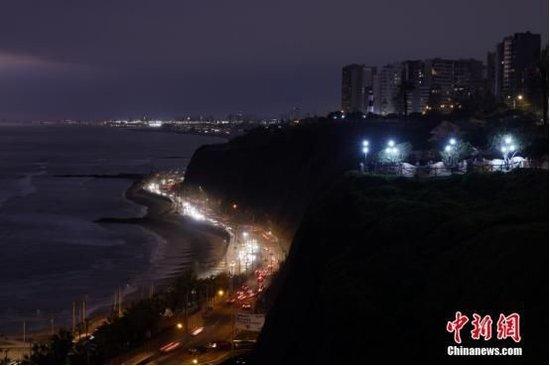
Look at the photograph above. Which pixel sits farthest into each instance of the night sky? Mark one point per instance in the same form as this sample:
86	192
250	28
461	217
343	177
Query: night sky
102	59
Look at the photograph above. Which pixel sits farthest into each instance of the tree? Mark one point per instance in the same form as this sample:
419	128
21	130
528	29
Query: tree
394	153
455	151
55	352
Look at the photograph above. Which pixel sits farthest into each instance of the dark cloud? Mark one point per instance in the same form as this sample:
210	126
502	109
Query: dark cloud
84	59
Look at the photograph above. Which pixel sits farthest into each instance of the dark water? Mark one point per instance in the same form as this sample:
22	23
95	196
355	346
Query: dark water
51	251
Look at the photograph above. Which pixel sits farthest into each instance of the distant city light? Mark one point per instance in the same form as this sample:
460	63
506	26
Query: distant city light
193	212
155	124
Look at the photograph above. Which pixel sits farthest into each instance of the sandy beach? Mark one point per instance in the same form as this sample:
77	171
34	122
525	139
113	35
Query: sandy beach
184	243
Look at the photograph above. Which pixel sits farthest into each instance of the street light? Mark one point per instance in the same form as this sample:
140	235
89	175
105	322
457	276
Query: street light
508	148
451	152
179	326
365	149
220	292
392	152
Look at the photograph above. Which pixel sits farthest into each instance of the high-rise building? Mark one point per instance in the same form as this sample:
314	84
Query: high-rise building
490	72
499	70
468	79
518	56
452	82
370	79
387	86
439	78
416	89
353	88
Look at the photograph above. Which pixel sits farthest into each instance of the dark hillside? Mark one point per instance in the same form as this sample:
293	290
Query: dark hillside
274	173
378	266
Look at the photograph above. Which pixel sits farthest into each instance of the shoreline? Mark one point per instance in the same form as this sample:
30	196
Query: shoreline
185	244
175	234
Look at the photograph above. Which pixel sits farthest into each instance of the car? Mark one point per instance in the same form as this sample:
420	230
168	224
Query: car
170	346
219	345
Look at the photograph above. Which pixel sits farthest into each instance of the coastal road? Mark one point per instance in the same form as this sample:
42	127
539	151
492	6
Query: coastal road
217	327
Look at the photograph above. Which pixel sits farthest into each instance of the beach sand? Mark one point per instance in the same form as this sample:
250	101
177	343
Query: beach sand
185	244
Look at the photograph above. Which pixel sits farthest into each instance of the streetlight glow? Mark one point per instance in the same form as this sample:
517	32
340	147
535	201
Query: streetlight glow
365	142
365	150
508	149
448	148
391	143
452	141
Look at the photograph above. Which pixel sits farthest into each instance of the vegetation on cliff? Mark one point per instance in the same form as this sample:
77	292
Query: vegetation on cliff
379	265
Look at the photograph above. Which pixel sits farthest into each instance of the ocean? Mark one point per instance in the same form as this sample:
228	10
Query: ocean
51	251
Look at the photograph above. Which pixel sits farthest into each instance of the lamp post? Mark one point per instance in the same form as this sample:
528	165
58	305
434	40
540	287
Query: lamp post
392	154
508	148
451	152
365	150
517	101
